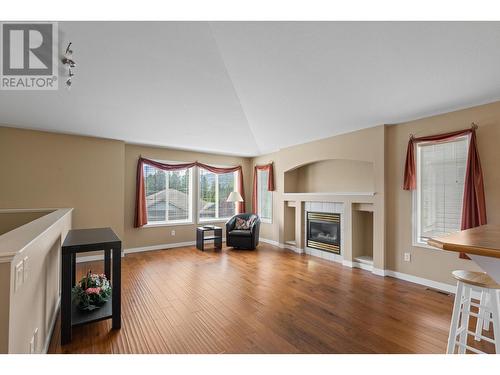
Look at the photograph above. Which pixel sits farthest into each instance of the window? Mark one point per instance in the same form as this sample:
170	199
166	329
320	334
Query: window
213	192
440	188
168	195
264	196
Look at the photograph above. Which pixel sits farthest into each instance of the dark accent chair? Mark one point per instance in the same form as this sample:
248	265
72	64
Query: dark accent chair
243	239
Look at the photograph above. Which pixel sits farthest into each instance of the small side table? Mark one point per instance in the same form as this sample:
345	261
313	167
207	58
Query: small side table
84	240
201	238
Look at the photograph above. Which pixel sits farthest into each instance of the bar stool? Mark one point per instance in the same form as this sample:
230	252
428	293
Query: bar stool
489	306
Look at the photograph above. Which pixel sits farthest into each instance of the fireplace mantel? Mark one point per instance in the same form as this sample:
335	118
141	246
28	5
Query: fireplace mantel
343	197
342	193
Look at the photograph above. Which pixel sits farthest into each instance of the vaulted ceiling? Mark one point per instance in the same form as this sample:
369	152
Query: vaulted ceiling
248	88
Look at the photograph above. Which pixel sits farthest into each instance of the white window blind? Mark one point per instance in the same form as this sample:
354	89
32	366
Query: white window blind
214	190
265	197
440	187
168	195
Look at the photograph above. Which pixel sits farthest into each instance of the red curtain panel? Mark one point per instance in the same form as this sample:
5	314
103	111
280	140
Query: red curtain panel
473	205
140	198
270	183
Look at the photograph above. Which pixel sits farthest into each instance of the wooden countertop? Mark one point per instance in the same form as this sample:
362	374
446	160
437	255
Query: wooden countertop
483	240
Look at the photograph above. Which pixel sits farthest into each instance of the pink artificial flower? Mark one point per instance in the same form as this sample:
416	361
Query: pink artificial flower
93	290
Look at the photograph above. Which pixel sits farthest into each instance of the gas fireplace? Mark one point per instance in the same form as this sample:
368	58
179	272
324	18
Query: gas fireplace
323	231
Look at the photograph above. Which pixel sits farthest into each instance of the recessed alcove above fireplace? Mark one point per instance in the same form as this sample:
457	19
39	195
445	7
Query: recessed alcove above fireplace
333	175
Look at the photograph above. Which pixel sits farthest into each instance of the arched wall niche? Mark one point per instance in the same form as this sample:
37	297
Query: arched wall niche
331	176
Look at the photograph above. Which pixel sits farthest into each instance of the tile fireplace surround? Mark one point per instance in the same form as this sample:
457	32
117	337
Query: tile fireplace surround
361	227
330	208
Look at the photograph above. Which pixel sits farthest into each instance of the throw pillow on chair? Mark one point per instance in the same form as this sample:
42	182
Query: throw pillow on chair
242	224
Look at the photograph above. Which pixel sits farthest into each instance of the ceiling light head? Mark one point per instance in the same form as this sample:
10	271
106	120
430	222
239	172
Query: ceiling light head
69	62
69	52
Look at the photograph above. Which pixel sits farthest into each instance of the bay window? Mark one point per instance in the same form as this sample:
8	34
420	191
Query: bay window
168	195
213	192
264	196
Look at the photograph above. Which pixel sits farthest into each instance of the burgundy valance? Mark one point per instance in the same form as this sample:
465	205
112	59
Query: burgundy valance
270	182
473	205
140	210
410	181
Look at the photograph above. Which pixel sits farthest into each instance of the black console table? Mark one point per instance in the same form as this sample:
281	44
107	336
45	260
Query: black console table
79	241
200	237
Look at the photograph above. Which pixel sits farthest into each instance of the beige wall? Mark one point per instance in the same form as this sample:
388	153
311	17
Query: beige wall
12	220
332	176
151	236
429	263
47	170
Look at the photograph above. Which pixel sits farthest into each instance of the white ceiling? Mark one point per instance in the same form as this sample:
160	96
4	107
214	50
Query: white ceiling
248	88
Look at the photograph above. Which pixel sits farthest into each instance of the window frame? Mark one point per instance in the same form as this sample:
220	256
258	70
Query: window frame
200	220
416	201
190	220
259	204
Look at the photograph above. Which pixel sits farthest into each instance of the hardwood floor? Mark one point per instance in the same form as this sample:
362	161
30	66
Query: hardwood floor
265	301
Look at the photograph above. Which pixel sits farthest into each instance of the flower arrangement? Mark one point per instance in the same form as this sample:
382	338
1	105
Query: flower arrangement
91	292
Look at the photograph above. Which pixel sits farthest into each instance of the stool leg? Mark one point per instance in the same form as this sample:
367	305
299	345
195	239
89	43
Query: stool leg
486	323
480	317
455	318
465	320
496	319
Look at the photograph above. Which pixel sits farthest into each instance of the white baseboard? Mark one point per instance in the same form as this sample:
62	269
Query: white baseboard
51	327
379	272
271	242
293	248
420	280
363	266
296	249
92	258
160	247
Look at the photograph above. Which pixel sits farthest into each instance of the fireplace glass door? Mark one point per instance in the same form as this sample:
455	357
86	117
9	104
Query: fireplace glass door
323	231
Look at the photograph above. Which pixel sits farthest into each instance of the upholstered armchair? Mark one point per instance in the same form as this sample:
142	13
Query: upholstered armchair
243	239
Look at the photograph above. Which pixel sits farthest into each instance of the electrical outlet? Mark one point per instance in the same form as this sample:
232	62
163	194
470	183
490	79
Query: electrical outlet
172	232
407	257
26	269
18	281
